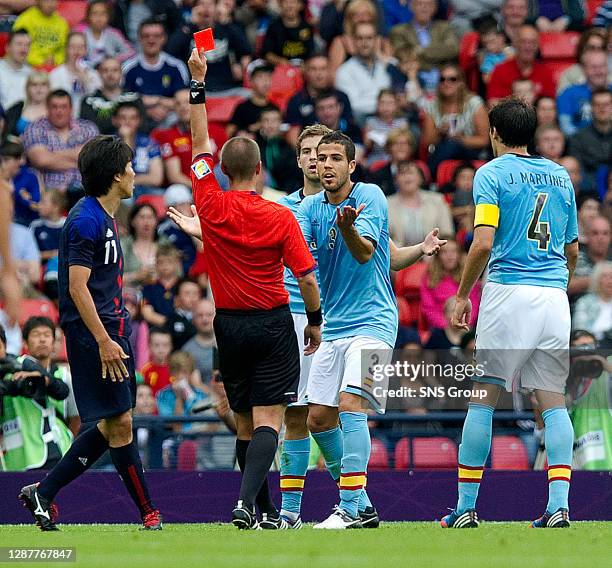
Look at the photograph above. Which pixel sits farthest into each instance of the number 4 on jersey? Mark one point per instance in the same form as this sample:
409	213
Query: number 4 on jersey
539	230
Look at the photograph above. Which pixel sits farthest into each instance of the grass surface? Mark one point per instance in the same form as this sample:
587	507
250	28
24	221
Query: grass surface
498	545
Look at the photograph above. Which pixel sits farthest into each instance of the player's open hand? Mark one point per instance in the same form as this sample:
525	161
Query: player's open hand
312	338
432	244
197	65
189	225
345	217
462	314
112	357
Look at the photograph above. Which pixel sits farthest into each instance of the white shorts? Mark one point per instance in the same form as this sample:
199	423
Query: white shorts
522	337
345	365
300	321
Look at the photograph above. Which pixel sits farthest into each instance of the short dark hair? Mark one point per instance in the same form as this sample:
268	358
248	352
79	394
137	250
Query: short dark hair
100	160
338	137
59	94
183	281
515	122
601	91
326	94
150	22
159	331
36	321
239	158
105	3
14	33
127	104
138	207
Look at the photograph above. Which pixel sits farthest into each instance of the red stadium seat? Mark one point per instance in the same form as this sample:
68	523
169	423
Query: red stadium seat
187	456
378	165
559	45
508	452
438	453
447	168
286	81
408	281
402	454
72	10
157	202
379	456
468	49
4	37
38	307
221	109
592	7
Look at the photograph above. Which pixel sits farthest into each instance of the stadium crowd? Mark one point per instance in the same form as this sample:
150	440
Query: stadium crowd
409	81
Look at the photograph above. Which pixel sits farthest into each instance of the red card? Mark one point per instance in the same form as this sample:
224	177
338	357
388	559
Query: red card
204	40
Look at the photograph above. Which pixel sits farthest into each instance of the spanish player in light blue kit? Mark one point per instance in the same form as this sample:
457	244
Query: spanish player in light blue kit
526	223
348	225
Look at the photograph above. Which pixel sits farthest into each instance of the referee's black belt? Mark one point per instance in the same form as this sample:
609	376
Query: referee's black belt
253	313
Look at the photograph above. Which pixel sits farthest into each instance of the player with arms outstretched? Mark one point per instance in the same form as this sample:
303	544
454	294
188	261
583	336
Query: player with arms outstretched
96	324
526	223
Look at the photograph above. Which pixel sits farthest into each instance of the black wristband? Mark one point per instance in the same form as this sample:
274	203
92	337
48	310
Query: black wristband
314	318
197	93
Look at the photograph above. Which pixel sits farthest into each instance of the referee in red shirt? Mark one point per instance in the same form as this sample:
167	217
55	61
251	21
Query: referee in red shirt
247	242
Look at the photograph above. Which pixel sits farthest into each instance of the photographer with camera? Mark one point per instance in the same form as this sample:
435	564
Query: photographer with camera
590	391
39	415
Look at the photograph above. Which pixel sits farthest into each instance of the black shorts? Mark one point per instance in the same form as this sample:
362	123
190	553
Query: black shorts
259	357
97	398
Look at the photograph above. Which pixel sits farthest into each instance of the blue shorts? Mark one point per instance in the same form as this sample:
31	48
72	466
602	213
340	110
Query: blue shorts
97	398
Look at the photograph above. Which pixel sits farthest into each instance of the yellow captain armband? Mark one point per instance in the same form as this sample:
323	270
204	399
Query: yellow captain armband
486	214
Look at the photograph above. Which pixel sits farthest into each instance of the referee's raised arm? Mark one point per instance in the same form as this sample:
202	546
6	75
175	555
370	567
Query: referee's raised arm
200	141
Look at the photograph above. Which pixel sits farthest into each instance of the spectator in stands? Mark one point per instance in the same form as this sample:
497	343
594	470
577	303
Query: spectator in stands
344	46
597	249
147	162
146	405
435	40
14	71
140	245
328	111
227	63
254	16
246	118
288	37
301	108
556	15
277	155
202	345
462	181
26	257
455	123
99	107
413	212
396	12
462	205
377	127
74	75
49	32
494	50
365	74
139	338
513	15
48	227
34	107
546	111
441	283
128	15
103	40
180	322
524	65
593	145
155	74
53	144
550	142
588	209
572	165
445	341
22	180
467	14
407	83
156	372
400	147
591	40
574	104
179	197
158	298
593	311
524	89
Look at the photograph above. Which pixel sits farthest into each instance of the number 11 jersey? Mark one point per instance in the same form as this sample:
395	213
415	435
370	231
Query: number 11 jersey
530	201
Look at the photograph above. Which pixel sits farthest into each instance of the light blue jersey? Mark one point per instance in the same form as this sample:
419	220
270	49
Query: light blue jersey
357	298
530	201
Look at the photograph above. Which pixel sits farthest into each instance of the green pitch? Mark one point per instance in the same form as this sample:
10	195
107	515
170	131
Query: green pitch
498	545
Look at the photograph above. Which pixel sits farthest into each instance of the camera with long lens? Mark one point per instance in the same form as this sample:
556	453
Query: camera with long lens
585	361
29	387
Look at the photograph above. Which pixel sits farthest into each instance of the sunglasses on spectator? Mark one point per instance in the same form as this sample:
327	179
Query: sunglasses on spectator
449	79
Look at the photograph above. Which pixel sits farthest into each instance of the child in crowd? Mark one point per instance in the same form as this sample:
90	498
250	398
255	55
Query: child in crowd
407	81
48	227
156	373
494	50
377	127
524	89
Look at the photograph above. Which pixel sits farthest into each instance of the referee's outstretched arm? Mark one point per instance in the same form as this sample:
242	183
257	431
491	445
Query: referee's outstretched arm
200	141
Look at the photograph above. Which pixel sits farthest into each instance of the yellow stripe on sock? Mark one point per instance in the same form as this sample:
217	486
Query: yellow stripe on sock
470	473
291	483
352	481
559	472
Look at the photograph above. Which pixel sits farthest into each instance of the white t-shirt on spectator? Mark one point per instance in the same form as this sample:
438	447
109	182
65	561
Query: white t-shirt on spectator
12	84
62	78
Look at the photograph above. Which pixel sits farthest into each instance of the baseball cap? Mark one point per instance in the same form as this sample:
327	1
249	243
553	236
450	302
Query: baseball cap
176	194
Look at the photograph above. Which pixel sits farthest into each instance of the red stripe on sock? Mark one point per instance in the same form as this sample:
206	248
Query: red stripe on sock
558	479
472	467
353	473
468	480
293	477
291	489
146	507
560	466
352	488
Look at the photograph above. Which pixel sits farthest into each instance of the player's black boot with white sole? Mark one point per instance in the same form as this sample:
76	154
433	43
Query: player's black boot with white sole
369	518
43	511
467	520
243	517
557	520
273	522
